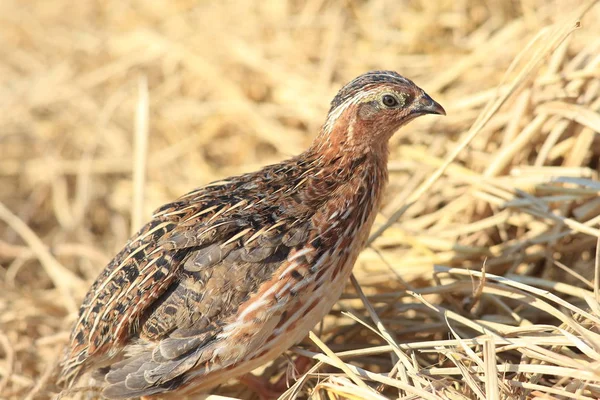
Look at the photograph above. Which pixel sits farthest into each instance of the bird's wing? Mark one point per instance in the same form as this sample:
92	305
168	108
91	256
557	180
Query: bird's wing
218	313
183	242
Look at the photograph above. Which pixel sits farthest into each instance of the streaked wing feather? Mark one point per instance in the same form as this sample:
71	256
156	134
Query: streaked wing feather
181	245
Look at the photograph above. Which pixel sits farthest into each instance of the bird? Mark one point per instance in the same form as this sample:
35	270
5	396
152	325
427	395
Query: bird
229	276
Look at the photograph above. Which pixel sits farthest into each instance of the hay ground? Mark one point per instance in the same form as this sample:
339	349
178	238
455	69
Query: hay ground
486	287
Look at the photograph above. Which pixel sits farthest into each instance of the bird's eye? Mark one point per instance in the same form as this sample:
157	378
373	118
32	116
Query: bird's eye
389	101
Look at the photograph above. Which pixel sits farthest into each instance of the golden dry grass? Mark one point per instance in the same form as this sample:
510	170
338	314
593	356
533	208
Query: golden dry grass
482	277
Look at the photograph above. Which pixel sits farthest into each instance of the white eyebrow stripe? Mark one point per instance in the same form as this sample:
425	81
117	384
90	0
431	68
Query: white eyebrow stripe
339	110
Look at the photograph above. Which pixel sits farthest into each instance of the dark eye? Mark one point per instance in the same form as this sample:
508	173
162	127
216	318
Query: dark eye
389	101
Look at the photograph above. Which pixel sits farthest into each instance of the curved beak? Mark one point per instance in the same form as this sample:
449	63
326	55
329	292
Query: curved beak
426	105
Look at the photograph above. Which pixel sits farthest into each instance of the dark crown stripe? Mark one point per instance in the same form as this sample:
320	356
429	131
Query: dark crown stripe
359	83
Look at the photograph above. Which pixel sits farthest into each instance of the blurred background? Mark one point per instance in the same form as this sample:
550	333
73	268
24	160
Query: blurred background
225	87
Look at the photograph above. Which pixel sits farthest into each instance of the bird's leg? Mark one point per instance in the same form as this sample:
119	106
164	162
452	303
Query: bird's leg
299	366
260	385
269	391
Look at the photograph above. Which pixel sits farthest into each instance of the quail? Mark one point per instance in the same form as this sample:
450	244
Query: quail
231	275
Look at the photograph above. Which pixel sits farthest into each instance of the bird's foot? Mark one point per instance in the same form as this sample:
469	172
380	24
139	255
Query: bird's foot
270	391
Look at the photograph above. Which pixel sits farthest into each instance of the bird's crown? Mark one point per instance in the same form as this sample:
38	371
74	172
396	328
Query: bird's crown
366	81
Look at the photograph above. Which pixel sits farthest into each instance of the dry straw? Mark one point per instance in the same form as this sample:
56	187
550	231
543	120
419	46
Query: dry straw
481	280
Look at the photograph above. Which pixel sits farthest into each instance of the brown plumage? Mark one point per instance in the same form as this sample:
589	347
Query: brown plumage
231	275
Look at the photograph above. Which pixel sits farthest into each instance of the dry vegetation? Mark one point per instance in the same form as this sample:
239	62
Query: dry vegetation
481	280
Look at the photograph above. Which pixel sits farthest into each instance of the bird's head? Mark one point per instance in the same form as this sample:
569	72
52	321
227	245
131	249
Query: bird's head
369	109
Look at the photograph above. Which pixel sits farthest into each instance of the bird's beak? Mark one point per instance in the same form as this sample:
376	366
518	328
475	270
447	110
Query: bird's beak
426	105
